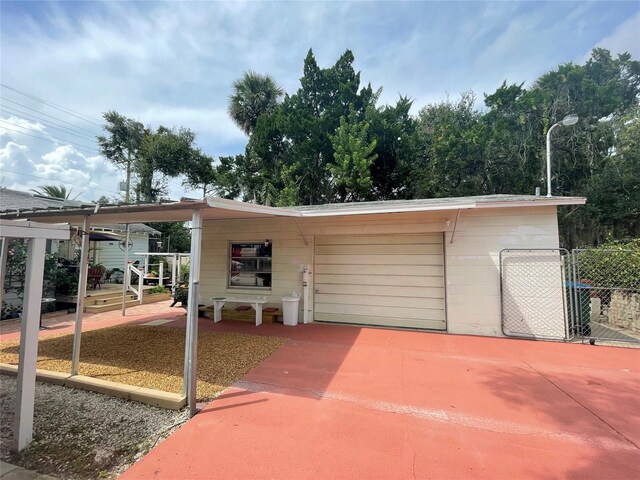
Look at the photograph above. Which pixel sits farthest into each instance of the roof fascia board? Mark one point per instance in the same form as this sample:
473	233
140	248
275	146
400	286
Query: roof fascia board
382	209
225	204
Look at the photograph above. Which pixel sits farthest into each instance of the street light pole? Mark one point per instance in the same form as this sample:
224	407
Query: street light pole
566	121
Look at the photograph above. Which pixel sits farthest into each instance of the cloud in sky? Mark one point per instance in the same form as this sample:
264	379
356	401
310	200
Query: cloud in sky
173	63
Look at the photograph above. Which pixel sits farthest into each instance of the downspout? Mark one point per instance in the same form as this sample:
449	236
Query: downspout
453	233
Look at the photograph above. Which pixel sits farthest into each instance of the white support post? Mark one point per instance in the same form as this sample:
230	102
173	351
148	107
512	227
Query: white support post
82	293
191	343
140	288
173	273
127	272
146	265
3	265
26	388
161	273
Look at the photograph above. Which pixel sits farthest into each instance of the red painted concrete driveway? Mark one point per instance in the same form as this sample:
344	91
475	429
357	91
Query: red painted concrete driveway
351	403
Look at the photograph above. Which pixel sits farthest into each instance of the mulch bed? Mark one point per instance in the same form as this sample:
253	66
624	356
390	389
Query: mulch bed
153	356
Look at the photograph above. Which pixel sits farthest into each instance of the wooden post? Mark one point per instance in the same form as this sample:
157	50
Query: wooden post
26	389
82	293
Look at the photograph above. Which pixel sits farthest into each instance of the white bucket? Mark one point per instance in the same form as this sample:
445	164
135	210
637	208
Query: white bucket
290	307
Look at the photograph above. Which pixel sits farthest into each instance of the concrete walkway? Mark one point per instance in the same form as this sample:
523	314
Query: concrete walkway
59	322
13	472
349	403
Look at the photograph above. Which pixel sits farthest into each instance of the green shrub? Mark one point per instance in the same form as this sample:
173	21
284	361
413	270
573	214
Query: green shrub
158	289
181	295
614	264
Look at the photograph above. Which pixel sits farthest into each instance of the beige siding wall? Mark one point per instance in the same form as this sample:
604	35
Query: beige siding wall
289	252
473	265
472	260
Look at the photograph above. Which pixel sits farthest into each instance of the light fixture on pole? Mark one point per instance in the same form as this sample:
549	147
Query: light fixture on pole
565	122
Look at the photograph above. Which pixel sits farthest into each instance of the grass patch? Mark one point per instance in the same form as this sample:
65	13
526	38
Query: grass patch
153	356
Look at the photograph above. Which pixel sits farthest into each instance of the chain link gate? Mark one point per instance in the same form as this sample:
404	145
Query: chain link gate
591	294
534	296
607	295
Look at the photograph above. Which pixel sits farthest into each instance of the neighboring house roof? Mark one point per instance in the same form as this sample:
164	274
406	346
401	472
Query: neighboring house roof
19	201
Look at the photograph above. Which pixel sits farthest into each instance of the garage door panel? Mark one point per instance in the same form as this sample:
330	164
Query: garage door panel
377	311
379	300
382	321
414	249
386	280
380	280
415	270
379	259
379	240
408	291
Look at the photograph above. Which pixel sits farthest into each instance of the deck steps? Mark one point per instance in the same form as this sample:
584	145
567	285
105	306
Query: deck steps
107	307
106	300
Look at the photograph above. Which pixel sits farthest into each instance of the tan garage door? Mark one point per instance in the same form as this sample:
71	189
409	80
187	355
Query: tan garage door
392	280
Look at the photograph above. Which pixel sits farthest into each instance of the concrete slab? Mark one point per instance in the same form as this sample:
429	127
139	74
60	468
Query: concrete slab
160	321
13	472
347	402
6	468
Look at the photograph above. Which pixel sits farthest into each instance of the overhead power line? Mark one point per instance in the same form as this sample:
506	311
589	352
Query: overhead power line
55	141
47	124
45	114
68	111
59	181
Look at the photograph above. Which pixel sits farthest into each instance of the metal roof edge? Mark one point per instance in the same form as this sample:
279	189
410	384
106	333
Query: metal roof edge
542	202
234	205
384	209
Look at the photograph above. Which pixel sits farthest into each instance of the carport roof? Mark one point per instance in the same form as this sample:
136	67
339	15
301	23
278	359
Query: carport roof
222	209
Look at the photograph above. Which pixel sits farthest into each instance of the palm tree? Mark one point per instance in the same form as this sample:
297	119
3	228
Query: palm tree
253	95
55	191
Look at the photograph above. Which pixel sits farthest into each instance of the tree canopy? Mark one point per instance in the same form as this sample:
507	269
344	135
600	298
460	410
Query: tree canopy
330	141
55	191
151	156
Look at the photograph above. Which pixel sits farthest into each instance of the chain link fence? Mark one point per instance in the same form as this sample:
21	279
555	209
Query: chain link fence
592	295
534	293
607	295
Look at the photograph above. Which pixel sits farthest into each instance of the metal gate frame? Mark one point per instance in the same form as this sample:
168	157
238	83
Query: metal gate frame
565	276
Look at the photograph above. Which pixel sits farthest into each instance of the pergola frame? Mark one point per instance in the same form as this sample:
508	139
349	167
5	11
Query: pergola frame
36	235
195	212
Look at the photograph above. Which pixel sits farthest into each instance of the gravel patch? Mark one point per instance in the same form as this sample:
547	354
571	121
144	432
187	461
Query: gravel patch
153	356
83	435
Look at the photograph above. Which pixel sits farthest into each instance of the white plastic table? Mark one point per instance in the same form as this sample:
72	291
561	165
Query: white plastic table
255	302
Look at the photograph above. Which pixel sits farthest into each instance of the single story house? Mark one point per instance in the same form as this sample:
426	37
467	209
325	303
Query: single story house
109	251
430	264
